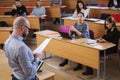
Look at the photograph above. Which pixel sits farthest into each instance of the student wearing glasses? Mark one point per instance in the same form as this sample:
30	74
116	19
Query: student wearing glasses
81	7
20	58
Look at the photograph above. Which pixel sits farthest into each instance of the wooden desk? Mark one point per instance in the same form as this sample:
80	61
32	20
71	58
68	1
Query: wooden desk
103	2
70	4
5	71
54	11
73	49
24	2
4	33
34	21
95	12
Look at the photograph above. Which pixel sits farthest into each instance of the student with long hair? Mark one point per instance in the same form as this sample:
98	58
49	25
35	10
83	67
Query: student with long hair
81	7
112	35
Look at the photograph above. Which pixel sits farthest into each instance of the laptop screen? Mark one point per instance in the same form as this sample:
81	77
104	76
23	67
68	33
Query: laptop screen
65	35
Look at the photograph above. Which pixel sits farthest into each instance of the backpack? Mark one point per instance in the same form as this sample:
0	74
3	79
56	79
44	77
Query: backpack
8	13
65	29
104	16
3	24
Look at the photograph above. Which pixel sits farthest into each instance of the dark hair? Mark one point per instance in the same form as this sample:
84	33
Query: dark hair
77	6
110	20
17	0
81	13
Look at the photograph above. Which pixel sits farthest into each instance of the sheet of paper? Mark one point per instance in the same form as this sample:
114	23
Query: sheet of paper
90	41
100	22
70	17
42	46
92	19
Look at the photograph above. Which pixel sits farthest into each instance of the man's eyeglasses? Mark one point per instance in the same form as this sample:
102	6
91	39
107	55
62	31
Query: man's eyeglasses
27	28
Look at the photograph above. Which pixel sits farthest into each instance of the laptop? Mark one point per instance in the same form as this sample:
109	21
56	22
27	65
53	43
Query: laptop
39	66
65	35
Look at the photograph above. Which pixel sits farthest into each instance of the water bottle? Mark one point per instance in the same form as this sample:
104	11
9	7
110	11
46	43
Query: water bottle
73	37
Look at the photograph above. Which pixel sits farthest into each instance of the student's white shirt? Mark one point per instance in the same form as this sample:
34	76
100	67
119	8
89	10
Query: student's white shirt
38	11
115	2
85	11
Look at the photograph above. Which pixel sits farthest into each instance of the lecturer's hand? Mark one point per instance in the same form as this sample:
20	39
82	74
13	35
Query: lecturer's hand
38	55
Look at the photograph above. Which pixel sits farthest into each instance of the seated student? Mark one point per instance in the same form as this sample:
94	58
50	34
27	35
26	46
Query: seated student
39	10
18	9
81	7
56	3
114	3
82	30
112	35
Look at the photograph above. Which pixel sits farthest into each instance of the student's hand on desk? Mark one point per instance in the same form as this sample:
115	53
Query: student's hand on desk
101	40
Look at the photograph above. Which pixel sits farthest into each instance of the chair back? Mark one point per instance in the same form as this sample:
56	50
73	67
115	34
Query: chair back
91	34
116	17
104	16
